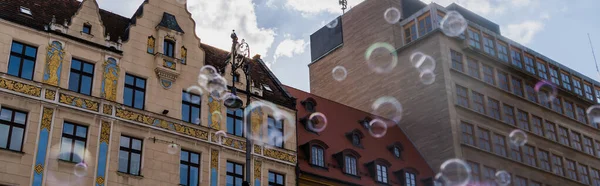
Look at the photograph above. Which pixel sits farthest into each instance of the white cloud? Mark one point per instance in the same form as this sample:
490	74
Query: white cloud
216	19
523	32
545	16
289	48
271	4
312	7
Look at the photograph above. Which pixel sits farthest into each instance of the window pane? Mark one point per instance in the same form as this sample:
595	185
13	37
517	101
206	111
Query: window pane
74	82
81	131
27	71
239	169
123	160
86	85
280	179
129	79
29	51
195	115
14	65
229	167
4	135
16	139
194	158
139	99
183	174
140	83
78	151
135	164
136	144
20	117
89	68
16	47
124	141
185	113
184	156
128	97
75	64
6	114
194	176
65	149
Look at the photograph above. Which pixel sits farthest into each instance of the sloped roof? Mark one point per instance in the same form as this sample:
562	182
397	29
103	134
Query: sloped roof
117	26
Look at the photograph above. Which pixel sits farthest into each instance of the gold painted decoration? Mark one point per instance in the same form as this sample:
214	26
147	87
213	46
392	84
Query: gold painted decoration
129	115
257	169
276	154
257	149
39	168
183	54
54	58
100	180
110	79
256	118
46	118
105	132
179	128
169	37
169	65
214	159
151	44
78	102
214	106
191	131
49	94
107	109
20	87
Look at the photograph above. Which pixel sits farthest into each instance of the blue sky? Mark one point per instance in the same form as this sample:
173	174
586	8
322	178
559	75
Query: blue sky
280	30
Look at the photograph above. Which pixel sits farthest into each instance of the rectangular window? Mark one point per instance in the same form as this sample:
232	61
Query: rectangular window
530	91
597	94
169	48
275	130
550	131
517	85
536	125
467	134
566	80
503	81
489	174
563	135
493	108
87	29
544	162
410	179
276	179
499	145
517	60
515	153
134	93
523	119
12	129
529	64
189	168
503	51
587	145
381	173
22	60
488	45
130	155
520	181
535	183
577	86
474	38
81	77
478	102
541	69
557	105
474	171
587	87
410	32
570	164
529	154
473	67
73	142
457	60
569	109
597	148
191	107
488	74
350	166
554	75
425	25
462	96
235	122
484	139
581	116
595	177
235	174
317	156
557	165
576	140
509	115
544	99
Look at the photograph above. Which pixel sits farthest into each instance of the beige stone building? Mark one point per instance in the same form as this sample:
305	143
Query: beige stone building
89	97
484	89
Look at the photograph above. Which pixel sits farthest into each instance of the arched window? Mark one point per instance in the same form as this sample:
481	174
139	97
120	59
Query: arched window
309	104
347	160
355	136
396	150
355	139
317	156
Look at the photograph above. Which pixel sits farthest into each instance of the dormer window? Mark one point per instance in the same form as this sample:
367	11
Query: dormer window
169	48
396	150
381	173
365	122
355	137
25	11
309	104
407	176
379	170
87	29
347	159
314	150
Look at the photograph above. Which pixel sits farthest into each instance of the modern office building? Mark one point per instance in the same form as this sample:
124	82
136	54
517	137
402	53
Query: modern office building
89	97
344	152
484	89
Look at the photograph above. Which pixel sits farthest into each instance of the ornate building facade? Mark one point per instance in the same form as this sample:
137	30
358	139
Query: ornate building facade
89	97
484	87
345	151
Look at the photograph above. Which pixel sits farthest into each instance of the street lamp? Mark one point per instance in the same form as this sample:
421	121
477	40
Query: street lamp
233	101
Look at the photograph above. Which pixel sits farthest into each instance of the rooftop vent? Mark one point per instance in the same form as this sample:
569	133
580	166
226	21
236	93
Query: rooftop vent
25	11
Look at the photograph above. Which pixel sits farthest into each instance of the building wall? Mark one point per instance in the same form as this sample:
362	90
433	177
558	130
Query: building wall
109	119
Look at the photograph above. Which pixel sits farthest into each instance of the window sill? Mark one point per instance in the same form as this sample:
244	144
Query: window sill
11	152
352	175
61	161
129	175
318	167
382	183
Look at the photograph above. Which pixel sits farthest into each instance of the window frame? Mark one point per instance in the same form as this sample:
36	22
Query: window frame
489	74
134	88
457	61
542	69
22	56
462	99
275	177
169	48
468	135
557	105
190	164
577	87
529	62
571	169
489	40
516	153
517	86
520	181
130	151
530	92
80	74
557	165
191	104
576	141
235	117
484	139
493	108
503	83
234	174
588	90
523	120
88	27
529	155
554	75
502	51
508	117
474	42
537	126
381	173
516	56
11	125
348	160
409	36
314	159
550	131
595	176
499	144
565	80
274	127
544	158
473	68
475	172
425	18
563	136
478	102
73	137
588	145
569	109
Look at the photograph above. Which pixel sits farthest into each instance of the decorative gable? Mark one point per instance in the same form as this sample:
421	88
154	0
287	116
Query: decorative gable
87	17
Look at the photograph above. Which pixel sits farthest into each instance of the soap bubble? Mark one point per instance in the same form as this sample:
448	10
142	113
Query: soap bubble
593	113
502	178
392	15
377	128
332	24
172	148
549	98
388	107
427	77
220	135
339	73
80	169
518	137
317	122
453	24
455	172
381	57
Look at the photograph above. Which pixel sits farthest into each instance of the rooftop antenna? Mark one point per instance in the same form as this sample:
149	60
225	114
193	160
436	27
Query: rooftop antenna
592	46
344	4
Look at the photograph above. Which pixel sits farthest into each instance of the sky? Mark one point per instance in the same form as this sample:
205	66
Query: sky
279	30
